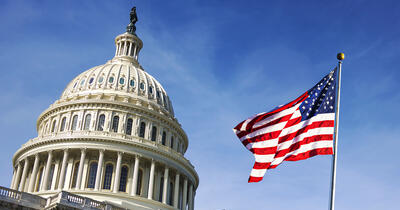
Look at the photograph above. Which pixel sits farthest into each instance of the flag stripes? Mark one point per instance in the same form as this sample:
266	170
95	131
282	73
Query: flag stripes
298	130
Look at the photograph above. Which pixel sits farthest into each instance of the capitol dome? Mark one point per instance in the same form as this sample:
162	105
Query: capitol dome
111	137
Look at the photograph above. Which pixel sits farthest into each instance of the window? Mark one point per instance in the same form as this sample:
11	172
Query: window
115	124
101	79
160	195
139	184
142	86
91	80
154	133
82	82
111	80
51	174
100	124
121	81
123	179
142	129
180	193
132	83
74	122
151	90
75	175
164	137
172	142
92	175
53	127
108	176
129	123
39	179
87	121
171	193
63	123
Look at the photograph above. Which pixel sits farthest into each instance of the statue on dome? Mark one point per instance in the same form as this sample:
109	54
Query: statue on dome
131	28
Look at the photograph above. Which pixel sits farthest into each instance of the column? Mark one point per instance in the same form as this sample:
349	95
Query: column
165	187
24	173
125	45
55	175
34	174
13	178
80	170
190	204
18	177
84	173
47	171
117	172
68	174
99	169
130	49
135	176
184	199
151	182
176	190
63	168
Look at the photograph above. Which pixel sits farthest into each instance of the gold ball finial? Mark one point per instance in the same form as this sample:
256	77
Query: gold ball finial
340	56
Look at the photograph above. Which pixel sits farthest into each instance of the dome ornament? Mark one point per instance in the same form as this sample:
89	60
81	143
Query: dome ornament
131	28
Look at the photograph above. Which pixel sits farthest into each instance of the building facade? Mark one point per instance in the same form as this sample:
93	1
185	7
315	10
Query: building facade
111	137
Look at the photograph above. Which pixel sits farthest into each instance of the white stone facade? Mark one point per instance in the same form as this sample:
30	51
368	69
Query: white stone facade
112	136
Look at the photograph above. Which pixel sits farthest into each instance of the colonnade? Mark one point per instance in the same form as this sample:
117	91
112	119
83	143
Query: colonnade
105	171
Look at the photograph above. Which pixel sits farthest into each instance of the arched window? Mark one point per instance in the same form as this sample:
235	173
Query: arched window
53	127
171	193
142	129
139	184
87	122
123	179
154	133
74	122
100	124
51	174
115	124
63	123
75	175
39	179
108	176
160	195
172	142
164	138
129	123
92	175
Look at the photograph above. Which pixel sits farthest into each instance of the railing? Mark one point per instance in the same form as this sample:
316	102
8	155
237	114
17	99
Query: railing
10	193
18	198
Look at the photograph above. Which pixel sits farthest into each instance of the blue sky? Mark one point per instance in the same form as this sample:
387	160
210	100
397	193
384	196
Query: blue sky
221	62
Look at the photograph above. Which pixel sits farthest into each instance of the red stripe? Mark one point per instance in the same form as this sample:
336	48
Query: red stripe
263	137
258	165
311	153
263	151
273	122
305	155
318	124
297	145
254	179
292	122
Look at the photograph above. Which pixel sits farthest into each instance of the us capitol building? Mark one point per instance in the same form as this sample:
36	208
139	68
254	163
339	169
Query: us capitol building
110	142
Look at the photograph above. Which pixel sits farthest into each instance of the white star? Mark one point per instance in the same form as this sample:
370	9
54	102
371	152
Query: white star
331	107
304	107
306	102
327	102
324	107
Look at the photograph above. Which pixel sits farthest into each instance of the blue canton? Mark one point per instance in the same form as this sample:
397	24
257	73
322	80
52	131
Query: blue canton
321	98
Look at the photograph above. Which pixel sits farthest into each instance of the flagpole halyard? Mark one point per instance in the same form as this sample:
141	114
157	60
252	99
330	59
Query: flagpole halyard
340	57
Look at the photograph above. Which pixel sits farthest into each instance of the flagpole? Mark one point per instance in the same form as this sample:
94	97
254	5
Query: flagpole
340	57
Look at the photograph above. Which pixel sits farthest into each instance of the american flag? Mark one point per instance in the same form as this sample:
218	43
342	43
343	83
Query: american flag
295	131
